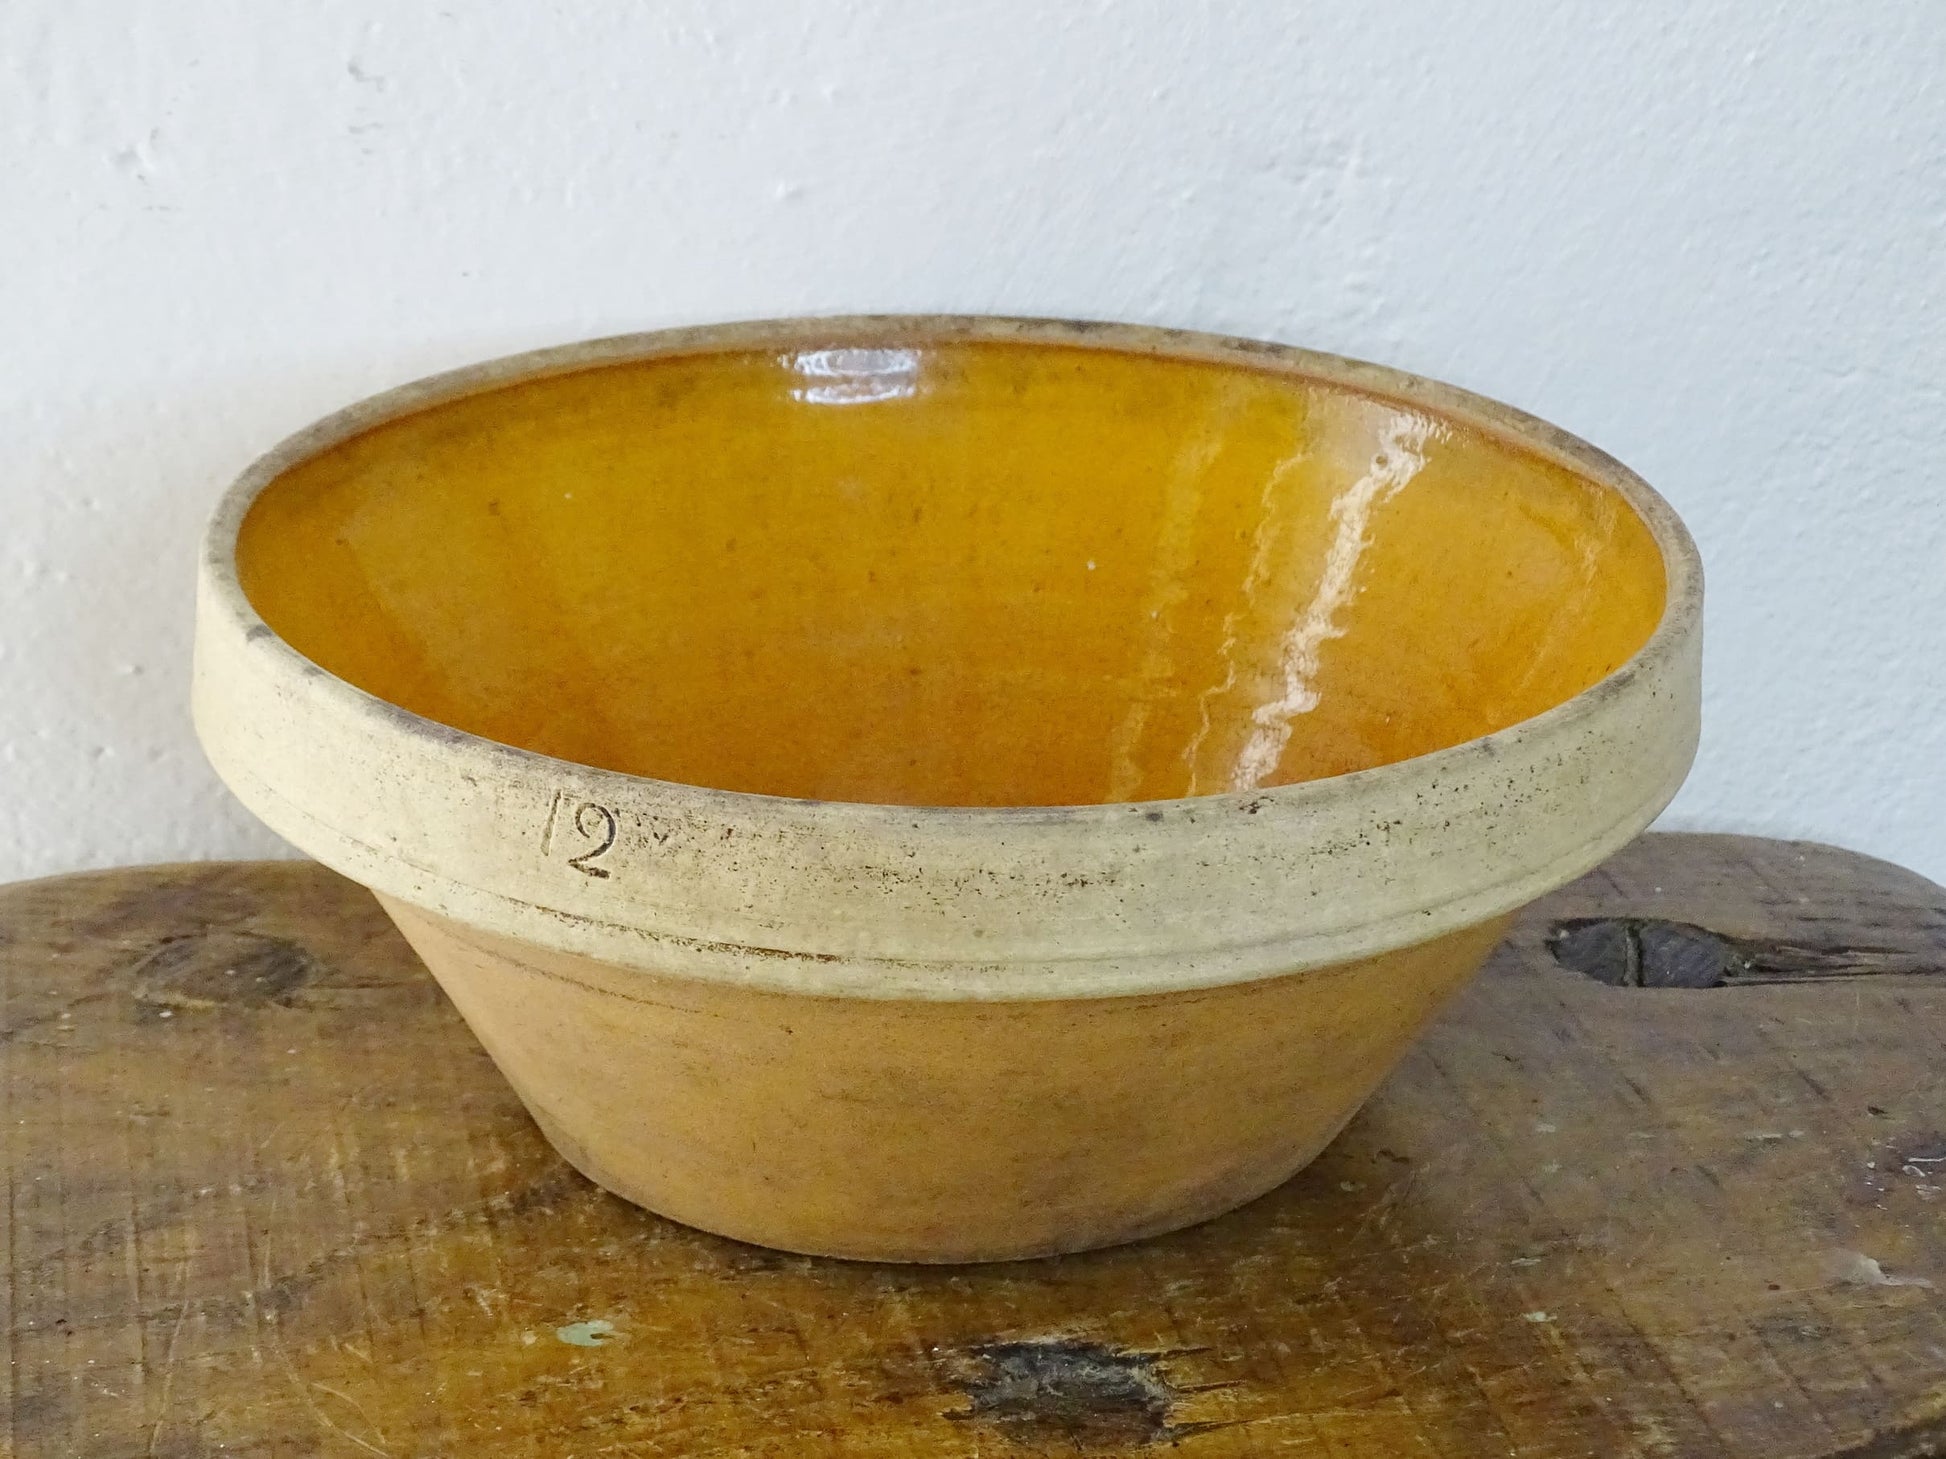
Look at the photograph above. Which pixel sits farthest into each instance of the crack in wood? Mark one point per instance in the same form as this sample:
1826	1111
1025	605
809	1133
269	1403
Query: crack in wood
1653	952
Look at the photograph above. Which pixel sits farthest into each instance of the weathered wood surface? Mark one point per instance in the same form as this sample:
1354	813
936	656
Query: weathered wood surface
267	1197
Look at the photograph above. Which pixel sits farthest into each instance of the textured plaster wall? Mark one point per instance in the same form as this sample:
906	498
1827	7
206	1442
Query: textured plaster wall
1710	237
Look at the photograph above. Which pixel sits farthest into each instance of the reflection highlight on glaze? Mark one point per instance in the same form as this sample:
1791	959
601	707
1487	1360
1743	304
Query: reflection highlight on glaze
1169	576
854	376
1399	458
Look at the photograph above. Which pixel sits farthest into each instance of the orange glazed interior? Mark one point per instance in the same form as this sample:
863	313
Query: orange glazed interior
964	573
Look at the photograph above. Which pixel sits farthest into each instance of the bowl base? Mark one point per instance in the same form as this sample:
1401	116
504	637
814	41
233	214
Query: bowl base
933	1130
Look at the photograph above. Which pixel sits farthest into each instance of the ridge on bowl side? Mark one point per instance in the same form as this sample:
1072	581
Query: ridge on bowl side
946	789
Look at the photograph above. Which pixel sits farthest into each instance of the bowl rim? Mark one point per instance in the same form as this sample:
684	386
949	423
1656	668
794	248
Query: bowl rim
243	666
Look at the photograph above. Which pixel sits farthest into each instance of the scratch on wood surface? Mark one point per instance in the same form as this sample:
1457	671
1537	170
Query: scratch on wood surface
356	1407
169	1355
303	1390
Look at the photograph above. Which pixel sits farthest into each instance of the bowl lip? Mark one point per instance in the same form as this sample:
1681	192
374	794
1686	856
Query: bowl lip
1682	563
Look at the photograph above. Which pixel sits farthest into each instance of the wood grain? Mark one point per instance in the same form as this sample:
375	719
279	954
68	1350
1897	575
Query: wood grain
267	1197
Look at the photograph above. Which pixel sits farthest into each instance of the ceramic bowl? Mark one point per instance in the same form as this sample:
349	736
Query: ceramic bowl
944	789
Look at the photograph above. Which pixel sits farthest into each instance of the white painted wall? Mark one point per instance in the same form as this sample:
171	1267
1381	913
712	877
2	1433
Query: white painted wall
1709	237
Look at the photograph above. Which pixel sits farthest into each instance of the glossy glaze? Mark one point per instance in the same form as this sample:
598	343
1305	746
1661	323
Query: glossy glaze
952	573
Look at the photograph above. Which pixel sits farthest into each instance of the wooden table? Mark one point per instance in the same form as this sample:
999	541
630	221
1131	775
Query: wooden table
267	1197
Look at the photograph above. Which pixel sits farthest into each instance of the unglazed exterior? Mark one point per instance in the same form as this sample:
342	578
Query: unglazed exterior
946	789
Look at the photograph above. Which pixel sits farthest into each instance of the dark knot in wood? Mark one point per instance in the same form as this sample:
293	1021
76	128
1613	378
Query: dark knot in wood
1079	1395
1649	952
